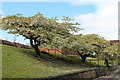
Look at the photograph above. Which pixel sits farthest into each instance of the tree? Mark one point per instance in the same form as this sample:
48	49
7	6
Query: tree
106	51
84	45
111	52
38	29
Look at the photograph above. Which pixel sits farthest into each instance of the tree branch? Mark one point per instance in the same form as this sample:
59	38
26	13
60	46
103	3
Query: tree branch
31	42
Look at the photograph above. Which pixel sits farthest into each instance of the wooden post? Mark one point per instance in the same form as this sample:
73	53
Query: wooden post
55	52
90	63
98	62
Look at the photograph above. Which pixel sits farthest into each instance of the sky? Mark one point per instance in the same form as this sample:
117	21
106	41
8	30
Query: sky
95	16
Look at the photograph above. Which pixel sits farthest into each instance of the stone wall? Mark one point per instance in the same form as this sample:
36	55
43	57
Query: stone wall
91	74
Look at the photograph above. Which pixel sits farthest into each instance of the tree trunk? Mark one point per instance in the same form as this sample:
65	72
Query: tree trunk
106	63
35	45
83	58
37	50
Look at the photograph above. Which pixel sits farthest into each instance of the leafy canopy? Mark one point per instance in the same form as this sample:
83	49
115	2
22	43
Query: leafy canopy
38	26
84	44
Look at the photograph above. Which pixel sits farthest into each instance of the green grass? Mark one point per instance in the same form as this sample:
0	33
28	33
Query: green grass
90	61
22	63
98	62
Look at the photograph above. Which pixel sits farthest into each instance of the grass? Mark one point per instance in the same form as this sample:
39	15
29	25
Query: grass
90	61
98	62
22	63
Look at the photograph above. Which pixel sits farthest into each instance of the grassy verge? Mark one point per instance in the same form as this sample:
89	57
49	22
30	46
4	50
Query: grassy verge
90	61
98	62
22	63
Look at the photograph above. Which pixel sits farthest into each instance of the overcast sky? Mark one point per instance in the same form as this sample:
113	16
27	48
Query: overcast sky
95	16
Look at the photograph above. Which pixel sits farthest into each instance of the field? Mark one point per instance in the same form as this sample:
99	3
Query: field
21	63
90	61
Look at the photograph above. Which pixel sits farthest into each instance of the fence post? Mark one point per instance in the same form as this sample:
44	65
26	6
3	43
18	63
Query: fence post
55	51
48	50
90	63
98	62
62	55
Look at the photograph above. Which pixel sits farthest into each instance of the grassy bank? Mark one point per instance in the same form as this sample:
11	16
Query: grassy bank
22	63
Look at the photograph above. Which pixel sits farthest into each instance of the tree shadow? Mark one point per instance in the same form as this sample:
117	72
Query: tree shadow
52	58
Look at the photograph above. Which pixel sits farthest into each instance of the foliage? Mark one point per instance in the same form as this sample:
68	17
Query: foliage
37	26
111	52
85	45
38	29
